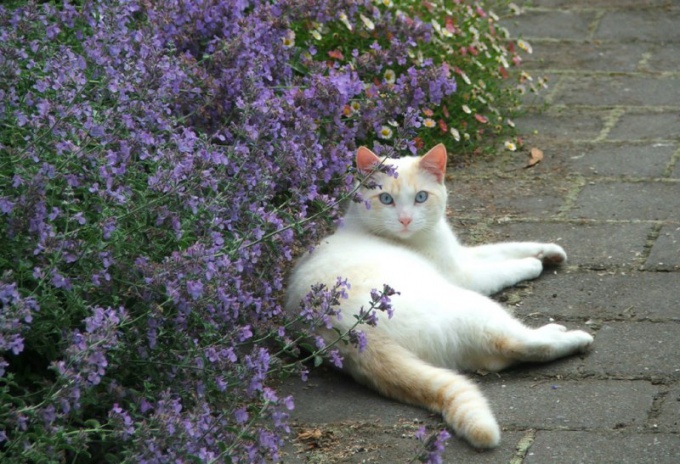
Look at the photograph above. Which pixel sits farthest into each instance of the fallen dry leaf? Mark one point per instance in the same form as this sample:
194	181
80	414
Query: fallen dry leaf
536	157
313	434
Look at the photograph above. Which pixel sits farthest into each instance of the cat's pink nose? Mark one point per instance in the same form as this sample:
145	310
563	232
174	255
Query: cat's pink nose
405	221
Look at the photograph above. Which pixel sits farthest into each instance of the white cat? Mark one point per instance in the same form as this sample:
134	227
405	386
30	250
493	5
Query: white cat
442	322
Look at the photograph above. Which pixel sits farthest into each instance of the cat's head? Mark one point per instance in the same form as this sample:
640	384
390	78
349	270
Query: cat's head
407	205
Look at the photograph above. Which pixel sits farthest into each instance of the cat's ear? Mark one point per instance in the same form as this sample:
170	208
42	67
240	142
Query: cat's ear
434	162
366	160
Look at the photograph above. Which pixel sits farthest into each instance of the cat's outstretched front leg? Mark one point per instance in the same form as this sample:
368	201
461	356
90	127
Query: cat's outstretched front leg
547	253
491	268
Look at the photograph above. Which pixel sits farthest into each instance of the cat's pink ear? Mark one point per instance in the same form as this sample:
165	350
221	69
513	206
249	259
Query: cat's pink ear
434	162
366	160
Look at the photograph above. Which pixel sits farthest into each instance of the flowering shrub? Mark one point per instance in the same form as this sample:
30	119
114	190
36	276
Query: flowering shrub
162	164
457	38
485	62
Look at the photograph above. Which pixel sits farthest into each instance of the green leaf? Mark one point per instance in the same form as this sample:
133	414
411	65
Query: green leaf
93	424
307	347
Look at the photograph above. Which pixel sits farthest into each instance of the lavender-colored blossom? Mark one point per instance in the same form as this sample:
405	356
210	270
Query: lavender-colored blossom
358	339
240	415
16	315
122	421
434	445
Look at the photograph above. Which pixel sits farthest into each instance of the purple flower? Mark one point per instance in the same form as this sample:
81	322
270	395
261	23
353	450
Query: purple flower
195	288
335	358
122	421
245	333
17	313
6	206
434	445
240	415
59	281
289	403
358	339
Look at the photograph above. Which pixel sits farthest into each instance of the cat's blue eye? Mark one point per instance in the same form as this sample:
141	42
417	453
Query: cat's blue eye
421	197
386	199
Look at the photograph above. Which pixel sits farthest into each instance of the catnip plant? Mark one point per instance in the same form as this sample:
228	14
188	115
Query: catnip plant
162	164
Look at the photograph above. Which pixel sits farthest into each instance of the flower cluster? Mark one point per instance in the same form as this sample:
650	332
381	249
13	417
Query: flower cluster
433	445
16	315
163	163
461	42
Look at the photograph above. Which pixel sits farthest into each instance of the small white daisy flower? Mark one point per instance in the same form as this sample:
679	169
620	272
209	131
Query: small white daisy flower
525	46
385	133
367	22
289	39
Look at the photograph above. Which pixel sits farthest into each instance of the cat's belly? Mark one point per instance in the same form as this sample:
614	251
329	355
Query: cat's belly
366	262
369	264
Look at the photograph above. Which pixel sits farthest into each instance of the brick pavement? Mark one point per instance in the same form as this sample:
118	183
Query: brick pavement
608	190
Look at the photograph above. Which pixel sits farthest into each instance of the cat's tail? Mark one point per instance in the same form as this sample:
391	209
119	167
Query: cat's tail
398	373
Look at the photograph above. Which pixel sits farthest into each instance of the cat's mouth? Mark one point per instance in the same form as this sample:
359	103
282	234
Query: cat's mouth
405	231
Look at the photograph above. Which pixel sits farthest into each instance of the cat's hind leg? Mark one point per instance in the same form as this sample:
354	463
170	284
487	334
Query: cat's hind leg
515	342
398	373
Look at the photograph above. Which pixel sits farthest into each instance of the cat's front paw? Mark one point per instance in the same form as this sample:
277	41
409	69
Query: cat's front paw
553	328
581	339
578	340
552	255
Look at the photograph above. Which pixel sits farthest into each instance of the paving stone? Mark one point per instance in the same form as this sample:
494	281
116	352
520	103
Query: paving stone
675	174
511	196
669	418
664	57
639	350
618	159
588	56
582	404
664	125
588	245
602	296
629	200
617	90
556	127
576	4
620	447
658	24
324	399
552	24
665	254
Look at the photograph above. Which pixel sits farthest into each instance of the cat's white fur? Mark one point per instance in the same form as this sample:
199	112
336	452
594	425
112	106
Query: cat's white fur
443	322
